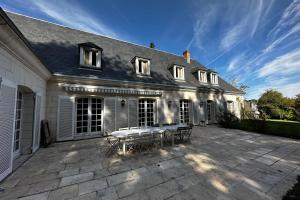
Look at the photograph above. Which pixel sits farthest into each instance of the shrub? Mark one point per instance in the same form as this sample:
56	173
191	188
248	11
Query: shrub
228	120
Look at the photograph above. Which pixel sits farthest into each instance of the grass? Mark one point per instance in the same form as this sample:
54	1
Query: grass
293	193
279	120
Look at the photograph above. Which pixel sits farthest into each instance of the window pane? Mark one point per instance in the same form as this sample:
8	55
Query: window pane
94	58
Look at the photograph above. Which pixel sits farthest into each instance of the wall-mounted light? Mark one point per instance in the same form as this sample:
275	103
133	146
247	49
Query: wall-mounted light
169	104
201	104
123	103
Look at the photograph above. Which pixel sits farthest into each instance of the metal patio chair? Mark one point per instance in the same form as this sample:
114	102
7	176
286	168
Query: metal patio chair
113	145
145	141
131	141
122	129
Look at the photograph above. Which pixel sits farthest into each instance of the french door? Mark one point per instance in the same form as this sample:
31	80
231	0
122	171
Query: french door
88	116
146	112
184	113
18	122
210	112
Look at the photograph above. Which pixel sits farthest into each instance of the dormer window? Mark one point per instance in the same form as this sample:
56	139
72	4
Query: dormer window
202	76
90	55
142	66
178	72
214	78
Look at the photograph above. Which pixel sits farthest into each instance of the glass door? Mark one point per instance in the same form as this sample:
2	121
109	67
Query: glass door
88	116
146	112
18	122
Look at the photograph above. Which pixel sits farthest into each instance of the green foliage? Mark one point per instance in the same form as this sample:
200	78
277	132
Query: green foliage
152	45
293	193
272	104
278	128
228	120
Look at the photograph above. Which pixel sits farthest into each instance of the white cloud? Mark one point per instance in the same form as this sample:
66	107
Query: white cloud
246	25
286	64
73	15
202	26
288	25
235	62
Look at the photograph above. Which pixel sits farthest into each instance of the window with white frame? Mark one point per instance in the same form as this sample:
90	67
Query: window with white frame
178	72
230	106
146	112
90	57
88	115
213	78
18	121
202	76
184	114
142	66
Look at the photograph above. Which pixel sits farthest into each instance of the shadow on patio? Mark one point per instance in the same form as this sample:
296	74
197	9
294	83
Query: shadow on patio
217	164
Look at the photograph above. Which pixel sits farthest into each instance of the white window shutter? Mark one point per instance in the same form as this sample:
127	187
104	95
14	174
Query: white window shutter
176	111
109	115
148	67
98	59
65	118
122	114
37	122
81	56
133	112
7	117
195	112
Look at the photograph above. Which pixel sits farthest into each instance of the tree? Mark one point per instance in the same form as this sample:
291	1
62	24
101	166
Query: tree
270	103
273	104
297	106
241	86
152	45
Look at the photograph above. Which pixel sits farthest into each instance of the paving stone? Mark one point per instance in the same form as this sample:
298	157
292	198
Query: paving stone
108	194
68	172
41	196
67	192
164	190
120	178
91	168
43	186
89	196
92	186
69	180
38	178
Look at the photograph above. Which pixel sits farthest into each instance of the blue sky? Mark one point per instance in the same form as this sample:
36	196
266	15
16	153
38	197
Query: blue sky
255	42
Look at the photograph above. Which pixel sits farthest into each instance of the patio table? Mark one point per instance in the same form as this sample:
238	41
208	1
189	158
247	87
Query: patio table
122	134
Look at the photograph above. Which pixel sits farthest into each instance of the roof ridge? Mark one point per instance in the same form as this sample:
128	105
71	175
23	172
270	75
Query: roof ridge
97	34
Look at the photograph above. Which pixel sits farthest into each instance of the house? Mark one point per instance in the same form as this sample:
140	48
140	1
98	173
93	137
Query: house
87	85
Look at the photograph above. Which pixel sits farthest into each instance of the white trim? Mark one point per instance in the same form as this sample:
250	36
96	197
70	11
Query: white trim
57	123
34	148
9	170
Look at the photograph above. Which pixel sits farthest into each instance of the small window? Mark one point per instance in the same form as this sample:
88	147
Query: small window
90	57
142	66
202	76
214	78
179	72
230	107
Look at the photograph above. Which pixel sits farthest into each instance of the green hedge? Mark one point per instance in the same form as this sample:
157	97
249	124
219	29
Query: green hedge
279	128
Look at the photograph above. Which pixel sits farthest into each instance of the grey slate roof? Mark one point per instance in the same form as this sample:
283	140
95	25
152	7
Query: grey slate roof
57	47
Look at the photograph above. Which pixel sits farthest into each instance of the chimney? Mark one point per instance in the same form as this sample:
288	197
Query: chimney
187	56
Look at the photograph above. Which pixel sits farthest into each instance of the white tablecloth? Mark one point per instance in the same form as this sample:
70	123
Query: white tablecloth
125	133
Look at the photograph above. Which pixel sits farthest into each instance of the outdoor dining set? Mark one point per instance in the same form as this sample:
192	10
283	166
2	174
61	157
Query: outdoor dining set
145	138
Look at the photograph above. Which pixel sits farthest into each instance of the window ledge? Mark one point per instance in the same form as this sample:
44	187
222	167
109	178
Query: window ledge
179	80
143	76
90	67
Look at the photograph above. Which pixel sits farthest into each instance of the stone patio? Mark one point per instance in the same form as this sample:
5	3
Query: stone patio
217	164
